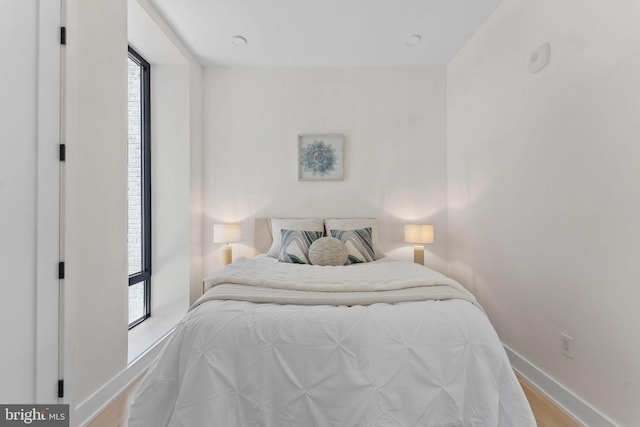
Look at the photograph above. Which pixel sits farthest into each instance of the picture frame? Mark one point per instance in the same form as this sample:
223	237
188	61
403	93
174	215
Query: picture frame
320	157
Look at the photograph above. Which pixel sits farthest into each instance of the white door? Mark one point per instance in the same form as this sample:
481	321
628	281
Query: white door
29	200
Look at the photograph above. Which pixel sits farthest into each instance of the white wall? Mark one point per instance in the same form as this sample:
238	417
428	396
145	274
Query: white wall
544	198
18	108
170	183
95	195
196	86
393	120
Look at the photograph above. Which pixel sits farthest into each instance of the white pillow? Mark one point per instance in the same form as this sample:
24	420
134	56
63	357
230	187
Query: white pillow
277	224
355	224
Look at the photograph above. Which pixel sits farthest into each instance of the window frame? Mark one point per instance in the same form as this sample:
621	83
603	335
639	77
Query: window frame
145	129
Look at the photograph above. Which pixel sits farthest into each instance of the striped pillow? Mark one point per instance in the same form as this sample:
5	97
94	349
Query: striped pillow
295	245
359	244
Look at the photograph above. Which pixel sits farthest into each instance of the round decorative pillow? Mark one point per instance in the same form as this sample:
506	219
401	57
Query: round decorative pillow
328	251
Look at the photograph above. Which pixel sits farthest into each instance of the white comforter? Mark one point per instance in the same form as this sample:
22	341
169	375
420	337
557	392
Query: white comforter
265	280
421	363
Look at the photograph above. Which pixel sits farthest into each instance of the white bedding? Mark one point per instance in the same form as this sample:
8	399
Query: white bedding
383	281
421	363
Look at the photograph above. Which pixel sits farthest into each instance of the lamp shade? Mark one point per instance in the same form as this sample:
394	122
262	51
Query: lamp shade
418	233
225	233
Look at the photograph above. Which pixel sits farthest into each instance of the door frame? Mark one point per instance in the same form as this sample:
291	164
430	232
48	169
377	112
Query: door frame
48	285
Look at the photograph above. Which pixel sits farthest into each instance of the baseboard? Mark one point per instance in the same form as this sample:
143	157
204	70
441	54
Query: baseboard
105	395
557	393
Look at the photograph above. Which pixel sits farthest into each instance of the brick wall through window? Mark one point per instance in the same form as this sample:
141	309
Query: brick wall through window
136	292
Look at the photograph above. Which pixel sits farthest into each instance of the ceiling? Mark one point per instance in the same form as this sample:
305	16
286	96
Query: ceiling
325	33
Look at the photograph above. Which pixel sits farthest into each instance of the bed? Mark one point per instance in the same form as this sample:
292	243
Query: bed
376	343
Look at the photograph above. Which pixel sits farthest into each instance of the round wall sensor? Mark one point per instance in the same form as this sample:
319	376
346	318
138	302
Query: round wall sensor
413	40
239	41
539	58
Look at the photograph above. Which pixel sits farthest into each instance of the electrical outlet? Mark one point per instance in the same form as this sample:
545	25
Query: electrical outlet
567	346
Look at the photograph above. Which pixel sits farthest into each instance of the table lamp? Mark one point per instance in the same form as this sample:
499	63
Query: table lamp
226	233
418	234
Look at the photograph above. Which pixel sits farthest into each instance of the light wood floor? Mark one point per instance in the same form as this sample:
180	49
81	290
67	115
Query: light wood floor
546	412
116	414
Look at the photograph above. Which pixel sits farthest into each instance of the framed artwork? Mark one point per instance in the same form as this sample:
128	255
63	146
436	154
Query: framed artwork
320	157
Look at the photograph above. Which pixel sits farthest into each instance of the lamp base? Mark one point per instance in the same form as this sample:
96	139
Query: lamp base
418	254
226	255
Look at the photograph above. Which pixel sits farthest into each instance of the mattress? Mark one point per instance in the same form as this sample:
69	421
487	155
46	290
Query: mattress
233	362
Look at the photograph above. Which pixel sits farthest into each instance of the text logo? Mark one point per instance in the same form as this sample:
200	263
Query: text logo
34	415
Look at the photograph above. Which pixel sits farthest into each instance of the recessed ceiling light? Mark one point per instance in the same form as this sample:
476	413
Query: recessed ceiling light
413	40
239	41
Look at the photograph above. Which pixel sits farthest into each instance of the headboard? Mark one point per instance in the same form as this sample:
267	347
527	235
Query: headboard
263	236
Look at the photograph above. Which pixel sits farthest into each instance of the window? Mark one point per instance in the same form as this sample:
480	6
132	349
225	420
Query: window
139	190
